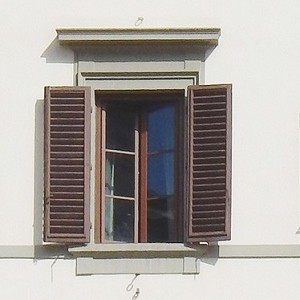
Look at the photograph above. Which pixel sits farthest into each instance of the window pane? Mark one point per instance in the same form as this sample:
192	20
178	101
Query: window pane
119	220
160	174
120	126
161	220
119	174
161	128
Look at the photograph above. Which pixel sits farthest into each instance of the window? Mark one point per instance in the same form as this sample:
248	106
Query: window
140	197
163	165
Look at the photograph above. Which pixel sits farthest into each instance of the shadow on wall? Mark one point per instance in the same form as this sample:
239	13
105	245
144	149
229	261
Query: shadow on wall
38	172
211	256
112	52
55	53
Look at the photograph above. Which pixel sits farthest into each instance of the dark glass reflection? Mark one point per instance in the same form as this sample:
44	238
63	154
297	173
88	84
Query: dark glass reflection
161	128
119	174
120	127
161	220
119	221
160	174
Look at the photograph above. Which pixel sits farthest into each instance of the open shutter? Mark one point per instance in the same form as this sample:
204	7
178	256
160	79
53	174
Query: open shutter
67	164
209	163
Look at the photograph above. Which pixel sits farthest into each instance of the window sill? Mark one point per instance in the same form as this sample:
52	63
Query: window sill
137	259
138	250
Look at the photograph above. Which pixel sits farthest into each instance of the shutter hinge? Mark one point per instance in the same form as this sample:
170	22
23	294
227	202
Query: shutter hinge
91	109
91	167
91	225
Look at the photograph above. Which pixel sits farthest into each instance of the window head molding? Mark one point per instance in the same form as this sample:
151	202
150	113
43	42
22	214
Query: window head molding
195	40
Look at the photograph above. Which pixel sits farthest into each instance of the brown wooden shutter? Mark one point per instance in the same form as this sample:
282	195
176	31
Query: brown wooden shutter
209	163
67	164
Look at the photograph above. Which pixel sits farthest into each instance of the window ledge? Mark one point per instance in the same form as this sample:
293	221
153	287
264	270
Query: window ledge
147	250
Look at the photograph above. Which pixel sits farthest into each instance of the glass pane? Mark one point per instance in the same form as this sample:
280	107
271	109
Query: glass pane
119	220
120	126
161	128
119	174
160	174
161	220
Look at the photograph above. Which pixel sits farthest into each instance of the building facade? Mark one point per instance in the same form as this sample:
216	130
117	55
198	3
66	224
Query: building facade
155	52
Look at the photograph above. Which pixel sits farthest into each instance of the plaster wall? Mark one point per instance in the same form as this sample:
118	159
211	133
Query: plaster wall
258	54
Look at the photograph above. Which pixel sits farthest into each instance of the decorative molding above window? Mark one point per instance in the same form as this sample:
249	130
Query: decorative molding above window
192	35
191	40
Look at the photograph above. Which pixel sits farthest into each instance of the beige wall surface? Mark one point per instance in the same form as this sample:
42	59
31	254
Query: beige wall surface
258	53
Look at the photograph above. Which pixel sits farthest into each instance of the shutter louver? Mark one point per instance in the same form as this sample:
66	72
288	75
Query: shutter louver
67	164
209	163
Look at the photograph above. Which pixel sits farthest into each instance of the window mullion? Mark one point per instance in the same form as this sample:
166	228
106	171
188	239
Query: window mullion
103	143
143	178
136	185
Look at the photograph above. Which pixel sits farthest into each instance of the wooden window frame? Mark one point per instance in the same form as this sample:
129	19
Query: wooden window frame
146	97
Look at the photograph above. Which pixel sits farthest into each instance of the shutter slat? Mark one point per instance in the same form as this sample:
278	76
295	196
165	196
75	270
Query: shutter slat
66	175
209	165
208	207
67	222
77	123
67	195
67	156
64	202
67	182
210	200
67	134
63	169
70	161
212	120
65	215
211	126
72	232
67	142
67	189
62	126
68	107
214	146
62	208
205	194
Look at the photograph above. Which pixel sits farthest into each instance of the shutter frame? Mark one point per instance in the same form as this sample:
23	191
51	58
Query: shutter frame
56	228
208	208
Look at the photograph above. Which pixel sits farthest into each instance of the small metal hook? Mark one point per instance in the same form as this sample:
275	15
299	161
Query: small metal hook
130	285
52	266
139	21
137	293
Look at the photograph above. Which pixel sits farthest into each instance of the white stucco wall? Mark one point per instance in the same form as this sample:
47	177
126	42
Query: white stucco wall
258	53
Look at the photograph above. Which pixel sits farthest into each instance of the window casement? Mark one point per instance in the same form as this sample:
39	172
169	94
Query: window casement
162	165
140	177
